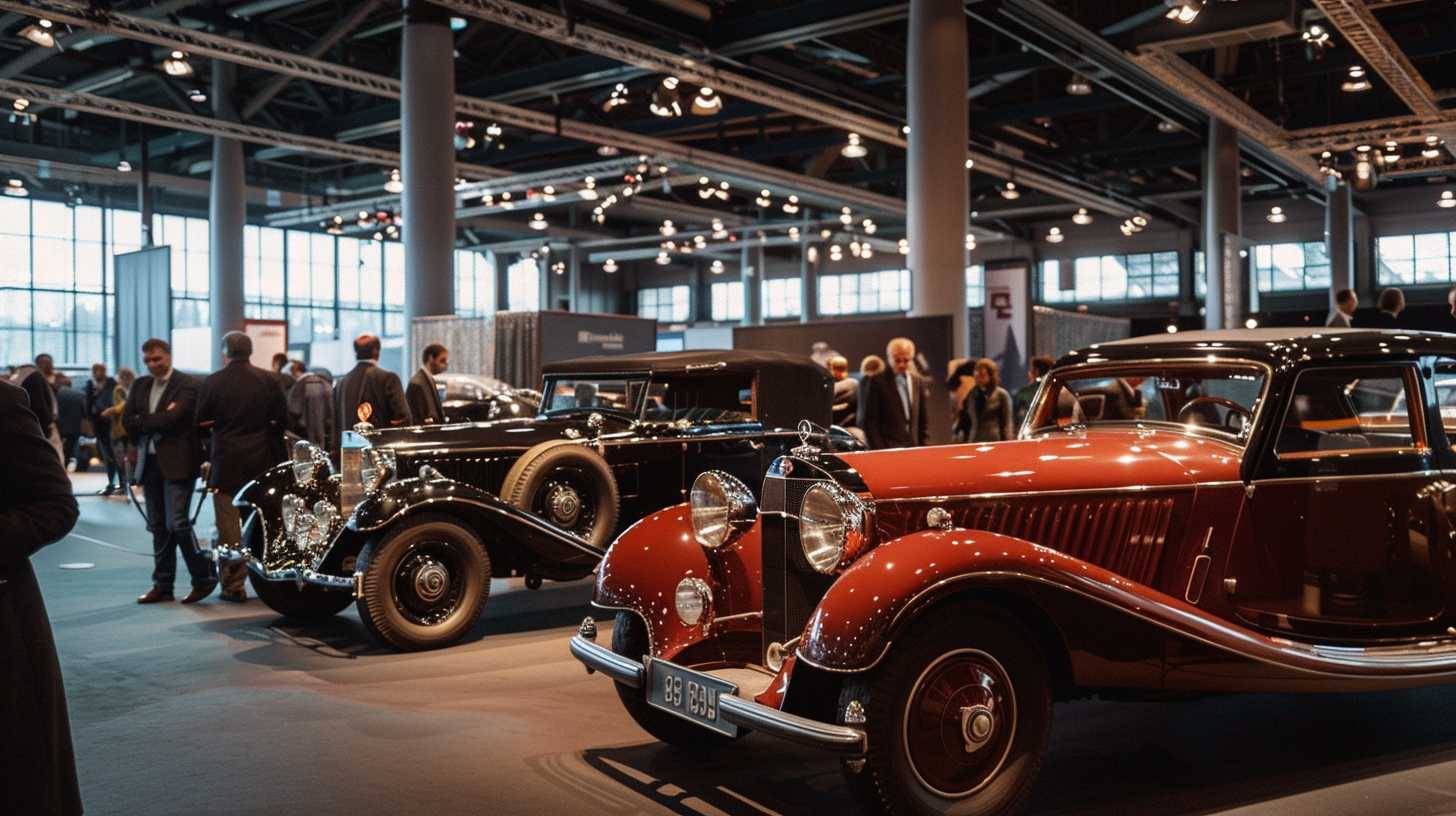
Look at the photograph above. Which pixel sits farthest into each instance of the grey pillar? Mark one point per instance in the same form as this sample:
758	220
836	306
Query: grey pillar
1340	235
227	209
427	116
1222	223
938	209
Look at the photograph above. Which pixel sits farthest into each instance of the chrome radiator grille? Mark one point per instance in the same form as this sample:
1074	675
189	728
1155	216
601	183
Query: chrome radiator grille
791	588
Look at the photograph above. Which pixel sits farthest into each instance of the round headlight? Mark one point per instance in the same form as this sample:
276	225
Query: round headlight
294	510
306	460
693	599
828	518
722	508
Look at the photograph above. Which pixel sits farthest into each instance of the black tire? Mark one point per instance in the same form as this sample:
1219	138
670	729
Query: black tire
629	639
569	485
425	583
969	659
308	603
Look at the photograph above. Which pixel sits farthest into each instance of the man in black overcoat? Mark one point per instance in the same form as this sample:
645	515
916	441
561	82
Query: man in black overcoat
244	412
161	419
369	393
37	766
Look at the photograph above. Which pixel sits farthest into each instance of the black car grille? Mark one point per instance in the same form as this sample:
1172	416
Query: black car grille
791	588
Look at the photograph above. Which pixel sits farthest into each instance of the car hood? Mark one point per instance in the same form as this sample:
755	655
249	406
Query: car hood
504	434
1090	460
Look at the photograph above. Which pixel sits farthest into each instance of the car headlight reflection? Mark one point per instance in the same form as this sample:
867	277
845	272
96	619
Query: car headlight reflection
831	524
694	599
722	508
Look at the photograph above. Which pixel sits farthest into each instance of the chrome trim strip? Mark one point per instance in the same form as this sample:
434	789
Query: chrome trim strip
1312	651
621	669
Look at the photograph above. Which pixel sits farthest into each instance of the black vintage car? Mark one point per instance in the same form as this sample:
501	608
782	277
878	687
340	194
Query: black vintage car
412	523
477	398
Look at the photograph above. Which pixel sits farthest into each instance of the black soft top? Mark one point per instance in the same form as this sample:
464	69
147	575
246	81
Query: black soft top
790	387
1276	346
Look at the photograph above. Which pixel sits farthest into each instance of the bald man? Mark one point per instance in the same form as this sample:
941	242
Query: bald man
893	414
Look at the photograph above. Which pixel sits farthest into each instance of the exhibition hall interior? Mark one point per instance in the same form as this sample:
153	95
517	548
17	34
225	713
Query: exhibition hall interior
719	407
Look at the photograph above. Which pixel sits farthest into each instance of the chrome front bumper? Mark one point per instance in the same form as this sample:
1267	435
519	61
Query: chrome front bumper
841	740
297	576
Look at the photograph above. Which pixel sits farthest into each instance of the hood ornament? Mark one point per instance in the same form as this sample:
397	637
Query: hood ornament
808	431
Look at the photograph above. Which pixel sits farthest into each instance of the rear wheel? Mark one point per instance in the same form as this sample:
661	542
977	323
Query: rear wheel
629	639
425	583
287	598
957	718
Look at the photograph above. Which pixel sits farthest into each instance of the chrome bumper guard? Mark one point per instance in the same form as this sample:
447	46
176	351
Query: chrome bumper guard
297	576
835	739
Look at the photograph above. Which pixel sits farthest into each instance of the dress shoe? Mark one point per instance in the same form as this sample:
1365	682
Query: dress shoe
199	592
154	595
233	597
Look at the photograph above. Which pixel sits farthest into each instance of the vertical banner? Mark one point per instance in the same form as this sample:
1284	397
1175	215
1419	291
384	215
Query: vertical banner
269	337
1008	322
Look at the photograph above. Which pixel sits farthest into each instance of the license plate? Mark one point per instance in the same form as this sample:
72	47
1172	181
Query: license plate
689	694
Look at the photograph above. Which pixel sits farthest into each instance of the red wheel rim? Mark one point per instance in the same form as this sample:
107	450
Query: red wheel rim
959	722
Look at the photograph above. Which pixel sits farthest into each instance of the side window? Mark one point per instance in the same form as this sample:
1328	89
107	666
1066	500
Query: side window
1351	411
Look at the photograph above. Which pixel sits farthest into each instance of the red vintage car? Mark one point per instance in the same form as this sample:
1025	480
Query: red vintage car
1263	510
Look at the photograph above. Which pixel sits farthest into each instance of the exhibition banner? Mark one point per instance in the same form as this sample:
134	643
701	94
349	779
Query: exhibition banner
1008	322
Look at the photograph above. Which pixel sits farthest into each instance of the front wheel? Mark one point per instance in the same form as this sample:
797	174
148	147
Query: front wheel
957	719
629	639
425	583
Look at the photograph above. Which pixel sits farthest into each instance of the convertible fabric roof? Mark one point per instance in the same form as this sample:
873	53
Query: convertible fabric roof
707	361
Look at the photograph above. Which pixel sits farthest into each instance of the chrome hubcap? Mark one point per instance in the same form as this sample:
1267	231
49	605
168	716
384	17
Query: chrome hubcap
431	581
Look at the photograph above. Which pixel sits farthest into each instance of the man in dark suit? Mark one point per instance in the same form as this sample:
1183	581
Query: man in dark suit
37	764
368	393
893	414
243	409
423	393
161	419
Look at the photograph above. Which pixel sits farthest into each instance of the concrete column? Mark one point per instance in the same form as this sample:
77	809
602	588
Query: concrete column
1228	291
427	116
937	184
1340	235
227	210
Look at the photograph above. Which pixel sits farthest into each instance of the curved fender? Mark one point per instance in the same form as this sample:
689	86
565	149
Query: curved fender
408	497
852	626
644	565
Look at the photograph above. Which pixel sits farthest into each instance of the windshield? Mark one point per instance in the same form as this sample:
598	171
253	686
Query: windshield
1219	399
617	394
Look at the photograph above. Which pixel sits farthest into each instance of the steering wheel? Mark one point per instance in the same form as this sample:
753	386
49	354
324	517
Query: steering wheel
1233	408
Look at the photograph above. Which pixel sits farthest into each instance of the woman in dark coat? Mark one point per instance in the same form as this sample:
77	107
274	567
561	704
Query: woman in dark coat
37	766
985	416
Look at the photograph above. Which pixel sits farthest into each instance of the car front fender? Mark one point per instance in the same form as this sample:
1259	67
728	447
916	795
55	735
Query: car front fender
644	565
558	550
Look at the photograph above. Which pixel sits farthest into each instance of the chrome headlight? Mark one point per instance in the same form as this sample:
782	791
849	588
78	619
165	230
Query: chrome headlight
294	510
307	459
722	508
694	599
376	469
831	525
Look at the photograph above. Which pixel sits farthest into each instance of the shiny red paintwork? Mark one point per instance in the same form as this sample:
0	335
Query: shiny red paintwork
643	567
1091	461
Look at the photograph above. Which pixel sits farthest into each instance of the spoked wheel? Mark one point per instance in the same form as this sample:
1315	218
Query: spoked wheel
569	485
957	718
425	583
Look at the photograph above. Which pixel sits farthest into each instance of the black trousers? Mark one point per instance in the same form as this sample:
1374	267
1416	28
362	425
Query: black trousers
169	519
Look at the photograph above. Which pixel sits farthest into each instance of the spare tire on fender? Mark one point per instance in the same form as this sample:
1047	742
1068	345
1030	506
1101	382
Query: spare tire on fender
570	486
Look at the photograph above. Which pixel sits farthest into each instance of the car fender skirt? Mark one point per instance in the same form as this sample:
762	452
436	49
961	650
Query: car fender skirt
643	567
406	497
1101	614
